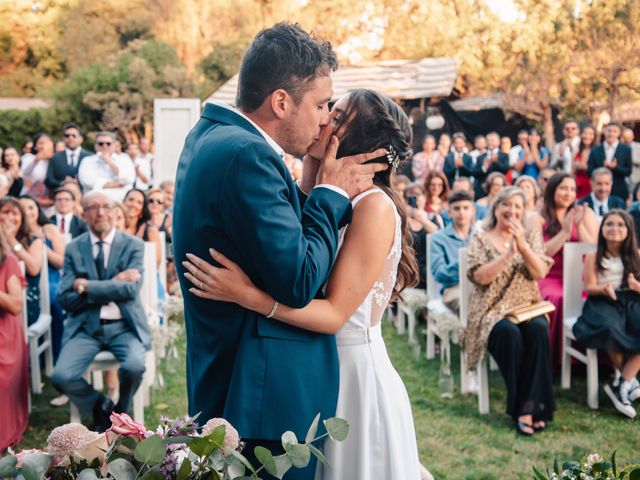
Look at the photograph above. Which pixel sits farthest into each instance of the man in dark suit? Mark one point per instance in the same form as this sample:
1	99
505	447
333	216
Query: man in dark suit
64	165
493	160
100	290
63	202
457	163
600	199
615	156
235	194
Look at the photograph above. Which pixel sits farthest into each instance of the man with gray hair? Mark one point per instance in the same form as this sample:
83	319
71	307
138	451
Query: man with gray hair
600	199
107	170
627	138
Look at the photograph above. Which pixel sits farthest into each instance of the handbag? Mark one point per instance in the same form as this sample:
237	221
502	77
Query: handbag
524	313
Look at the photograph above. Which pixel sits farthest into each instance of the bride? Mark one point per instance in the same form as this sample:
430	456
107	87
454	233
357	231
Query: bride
374	264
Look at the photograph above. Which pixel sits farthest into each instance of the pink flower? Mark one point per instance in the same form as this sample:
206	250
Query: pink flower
77	441
231	436
123	424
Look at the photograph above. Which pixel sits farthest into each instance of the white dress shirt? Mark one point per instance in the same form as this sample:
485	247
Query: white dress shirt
277	148
609	152
145	169
76	156
566	159
597	204
67	222
110	311
94	173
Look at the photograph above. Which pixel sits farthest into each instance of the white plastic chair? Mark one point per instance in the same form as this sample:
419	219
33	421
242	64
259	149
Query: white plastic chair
103	361
39	334
482	367
434	306
572	302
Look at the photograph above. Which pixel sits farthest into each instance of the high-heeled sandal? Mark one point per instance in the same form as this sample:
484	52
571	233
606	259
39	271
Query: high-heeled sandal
539	428
520	429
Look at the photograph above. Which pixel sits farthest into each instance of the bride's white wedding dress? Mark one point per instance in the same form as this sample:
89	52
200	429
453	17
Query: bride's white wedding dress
382	442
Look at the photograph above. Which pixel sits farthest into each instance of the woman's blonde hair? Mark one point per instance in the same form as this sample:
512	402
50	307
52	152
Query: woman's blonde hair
527	178
505	194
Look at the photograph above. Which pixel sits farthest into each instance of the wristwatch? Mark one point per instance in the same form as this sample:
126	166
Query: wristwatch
16	248
81	288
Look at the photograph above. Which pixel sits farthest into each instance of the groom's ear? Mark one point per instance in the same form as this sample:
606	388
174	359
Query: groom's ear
280	103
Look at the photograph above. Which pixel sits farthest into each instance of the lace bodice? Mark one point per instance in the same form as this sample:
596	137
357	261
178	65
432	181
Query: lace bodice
370	312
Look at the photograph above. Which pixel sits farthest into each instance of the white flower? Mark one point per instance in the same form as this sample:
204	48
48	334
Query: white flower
76	440
231	436
594	458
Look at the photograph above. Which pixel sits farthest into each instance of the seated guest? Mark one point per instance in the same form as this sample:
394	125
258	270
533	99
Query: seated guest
139	219
437	189
14	362
505	260
493	160
27	247
74	186
11	168
600	199
428	160
101	293
142	167
561	221
159	217
615	156
610	317
399	185
420	226
34	168
443	257
107	170
480	146
464	184
494	183
167	186
64	165
532	192
457	163
64	218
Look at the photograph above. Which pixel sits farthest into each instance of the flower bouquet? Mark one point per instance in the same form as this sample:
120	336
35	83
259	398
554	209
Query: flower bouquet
590	467
177	450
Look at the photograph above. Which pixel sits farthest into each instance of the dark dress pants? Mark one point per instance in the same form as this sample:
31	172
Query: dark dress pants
522	353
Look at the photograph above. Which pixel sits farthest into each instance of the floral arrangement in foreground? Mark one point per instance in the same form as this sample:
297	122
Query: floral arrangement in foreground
177	450
592	466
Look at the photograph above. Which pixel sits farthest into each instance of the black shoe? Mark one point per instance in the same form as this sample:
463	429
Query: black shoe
101	412
520	429
618	393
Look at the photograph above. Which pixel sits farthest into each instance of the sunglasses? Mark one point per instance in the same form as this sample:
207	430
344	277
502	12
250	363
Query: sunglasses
71	135
104	144
155	200
545	179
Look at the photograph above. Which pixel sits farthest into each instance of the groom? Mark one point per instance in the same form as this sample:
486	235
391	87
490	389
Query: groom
235	194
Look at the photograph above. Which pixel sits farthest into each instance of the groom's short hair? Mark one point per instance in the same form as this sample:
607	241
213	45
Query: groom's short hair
283	56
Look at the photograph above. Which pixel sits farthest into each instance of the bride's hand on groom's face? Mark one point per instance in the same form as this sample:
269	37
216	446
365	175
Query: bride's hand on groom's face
227	283
352	174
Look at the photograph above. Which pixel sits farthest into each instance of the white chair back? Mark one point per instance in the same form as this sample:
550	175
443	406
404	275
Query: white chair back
465	285
162	268
149	290
572	284
433	287
24	305
45	300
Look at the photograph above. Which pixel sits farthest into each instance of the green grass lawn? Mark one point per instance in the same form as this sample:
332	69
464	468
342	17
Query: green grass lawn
455	442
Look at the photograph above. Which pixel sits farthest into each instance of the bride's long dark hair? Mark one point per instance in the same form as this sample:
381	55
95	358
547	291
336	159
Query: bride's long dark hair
373	121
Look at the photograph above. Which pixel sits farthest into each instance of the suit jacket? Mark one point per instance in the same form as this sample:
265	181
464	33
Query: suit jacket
77	227
126	252
613	201
480	175
450	169
620	173
59	169
235	194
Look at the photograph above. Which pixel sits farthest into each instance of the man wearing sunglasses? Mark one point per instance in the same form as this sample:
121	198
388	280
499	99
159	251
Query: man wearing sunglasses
564	151
64	165
107	170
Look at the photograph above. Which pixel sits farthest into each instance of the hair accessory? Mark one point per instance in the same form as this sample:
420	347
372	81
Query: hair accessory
392	157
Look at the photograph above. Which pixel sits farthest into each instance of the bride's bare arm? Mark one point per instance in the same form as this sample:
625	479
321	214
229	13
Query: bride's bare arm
360	262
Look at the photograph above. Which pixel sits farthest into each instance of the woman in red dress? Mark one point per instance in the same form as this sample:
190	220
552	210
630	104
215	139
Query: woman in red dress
14	357
581	162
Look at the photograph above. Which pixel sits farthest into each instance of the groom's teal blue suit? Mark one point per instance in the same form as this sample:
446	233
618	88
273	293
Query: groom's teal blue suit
235	194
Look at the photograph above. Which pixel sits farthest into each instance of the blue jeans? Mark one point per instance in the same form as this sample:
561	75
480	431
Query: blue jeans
80	350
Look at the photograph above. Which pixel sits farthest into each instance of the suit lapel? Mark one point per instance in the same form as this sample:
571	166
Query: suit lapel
116	250
87	256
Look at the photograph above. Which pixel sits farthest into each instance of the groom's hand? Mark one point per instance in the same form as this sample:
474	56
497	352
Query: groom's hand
349	173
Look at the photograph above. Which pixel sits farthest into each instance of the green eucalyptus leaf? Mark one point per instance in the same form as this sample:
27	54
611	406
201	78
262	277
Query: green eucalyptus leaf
556	469
319	455
35	465
245	462
265	457
150	451
122	469
614	468
129	442
539	475
217	436
179	439
8	466
337	428
298	454
283	464
153	474
235	468
313	429
185	469
289	438
87	474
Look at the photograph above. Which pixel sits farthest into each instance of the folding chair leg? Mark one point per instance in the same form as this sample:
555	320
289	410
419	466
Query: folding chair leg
464	374
483	387
75	413
565	377
411	317
48	354
138	405
592	378
34	359
493	366
431	344
400	325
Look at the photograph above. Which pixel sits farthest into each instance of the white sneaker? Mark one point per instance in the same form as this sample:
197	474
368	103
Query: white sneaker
59	401
634	390
619	395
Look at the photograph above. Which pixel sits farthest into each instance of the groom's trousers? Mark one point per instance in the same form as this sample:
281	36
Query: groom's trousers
275	447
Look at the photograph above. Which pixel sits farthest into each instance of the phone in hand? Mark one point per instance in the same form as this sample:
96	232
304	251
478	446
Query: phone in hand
412	201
